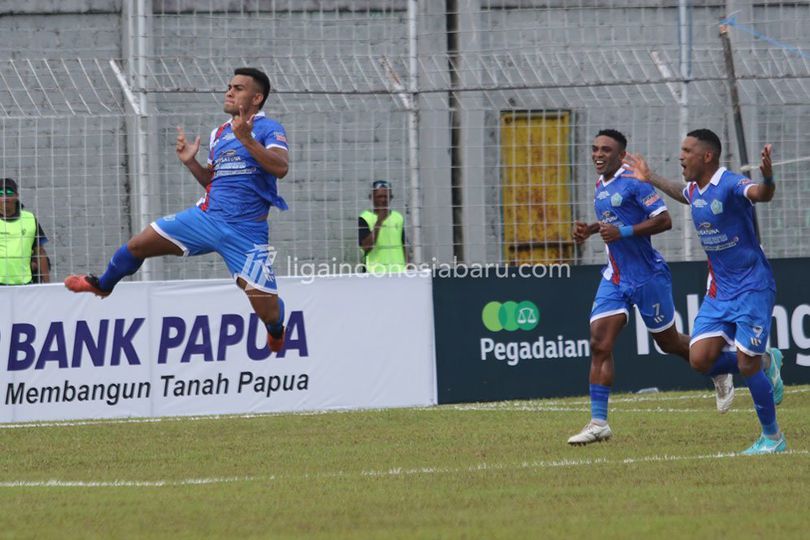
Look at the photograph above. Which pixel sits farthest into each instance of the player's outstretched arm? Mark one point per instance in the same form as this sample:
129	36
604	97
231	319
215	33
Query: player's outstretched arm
272	160
636	167
763	192
187	154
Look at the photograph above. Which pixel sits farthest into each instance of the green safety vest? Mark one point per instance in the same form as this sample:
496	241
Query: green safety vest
16	245
388	254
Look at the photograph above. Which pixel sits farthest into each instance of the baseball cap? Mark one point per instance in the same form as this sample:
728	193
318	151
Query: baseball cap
378	184
8	183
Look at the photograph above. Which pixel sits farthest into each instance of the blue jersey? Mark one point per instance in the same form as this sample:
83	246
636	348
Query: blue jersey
241	190
724	219
623	200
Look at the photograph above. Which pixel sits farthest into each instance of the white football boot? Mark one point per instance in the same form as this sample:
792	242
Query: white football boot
590	434
724	391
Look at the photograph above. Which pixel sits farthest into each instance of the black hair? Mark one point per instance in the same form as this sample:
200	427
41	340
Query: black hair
260	77
709	138
617	136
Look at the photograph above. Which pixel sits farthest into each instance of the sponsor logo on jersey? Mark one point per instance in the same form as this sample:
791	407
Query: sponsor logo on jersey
651	199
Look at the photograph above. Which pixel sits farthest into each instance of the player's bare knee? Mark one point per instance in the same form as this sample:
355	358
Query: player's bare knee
149	243
601	346
135	246
700	363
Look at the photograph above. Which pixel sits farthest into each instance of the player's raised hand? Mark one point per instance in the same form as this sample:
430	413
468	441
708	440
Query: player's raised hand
186	151
766	165
581	232
636	167
242	125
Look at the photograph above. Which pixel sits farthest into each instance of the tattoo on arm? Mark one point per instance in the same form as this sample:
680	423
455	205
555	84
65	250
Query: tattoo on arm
673	188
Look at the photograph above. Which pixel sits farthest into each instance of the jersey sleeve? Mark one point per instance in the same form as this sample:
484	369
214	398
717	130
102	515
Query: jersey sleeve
274	136
211	146
650	201
741	188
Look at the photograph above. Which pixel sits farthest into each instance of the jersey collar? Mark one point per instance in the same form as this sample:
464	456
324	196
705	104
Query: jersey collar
259	114
618	173
715	179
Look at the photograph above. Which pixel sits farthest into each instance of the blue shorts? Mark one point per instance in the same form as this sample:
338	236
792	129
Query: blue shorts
744	322
652	298
243	245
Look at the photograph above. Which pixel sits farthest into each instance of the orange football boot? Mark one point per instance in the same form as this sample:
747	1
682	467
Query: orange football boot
85	283
276	344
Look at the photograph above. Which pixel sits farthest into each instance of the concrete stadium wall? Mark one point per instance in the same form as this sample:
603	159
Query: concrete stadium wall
74	170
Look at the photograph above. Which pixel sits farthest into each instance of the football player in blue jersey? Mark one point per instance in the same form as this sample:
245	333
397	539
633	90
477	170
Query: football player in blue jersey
629	212
732	326
247	156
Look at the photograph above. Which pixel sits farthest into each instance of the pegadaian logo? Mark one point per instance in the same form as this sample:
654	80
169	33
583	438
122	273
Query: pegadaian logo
510	316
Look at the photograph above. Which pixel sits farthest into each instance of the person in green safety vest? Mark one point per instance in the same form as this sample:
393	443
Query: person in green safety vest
381	233
21	240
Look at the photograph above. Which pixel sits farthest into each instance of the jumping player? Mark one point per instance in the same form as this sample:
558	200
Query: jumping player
248	154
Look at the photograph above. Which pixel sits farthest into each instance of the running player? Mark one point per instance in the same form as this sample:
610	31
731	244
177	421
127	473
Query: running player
629	213
736	312
248	154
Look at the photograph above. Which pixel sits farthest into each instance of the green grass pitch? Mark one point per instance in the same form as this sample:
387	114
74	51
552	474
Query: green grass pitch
492	470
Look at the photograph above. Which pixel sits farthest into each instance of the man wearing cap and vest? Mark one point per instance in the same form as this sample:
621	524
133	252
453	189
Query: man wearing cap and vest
21	240
382	233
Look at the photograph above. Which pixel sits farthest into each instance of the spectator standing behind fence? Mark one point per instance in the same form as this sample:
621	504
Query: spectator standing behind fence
381	232
21	240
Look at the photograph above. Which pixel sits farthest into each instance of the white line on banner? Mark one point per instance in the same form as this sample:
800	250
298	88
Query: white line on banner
112	421
393	472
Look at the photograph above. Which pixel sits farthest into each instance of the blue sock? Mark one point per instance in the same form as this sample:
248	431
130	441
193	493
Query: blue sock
725	363
599	402
122	264
762	393
275	328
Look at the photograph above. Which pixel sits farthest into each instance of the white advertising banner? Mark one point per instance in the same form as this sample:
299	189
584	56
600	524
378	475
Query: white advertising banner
195	347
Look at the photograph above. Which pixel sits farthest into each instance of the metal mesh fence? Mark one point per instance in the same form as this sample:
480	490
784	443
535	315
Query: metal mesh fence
481	114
